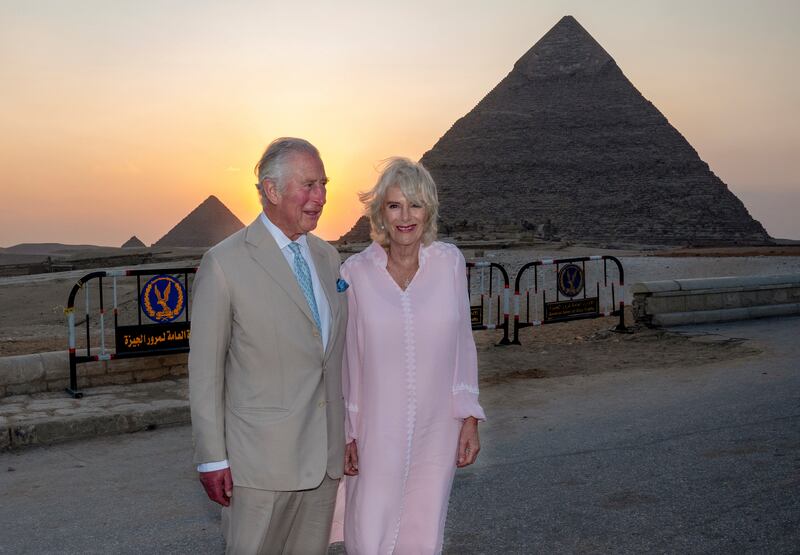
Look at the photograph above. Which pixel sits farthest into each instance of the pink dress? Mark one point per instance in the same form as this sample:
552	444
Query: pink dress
410	376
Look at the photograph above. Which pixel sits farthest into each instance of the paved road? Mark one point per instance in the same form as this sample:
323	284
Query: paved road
679	461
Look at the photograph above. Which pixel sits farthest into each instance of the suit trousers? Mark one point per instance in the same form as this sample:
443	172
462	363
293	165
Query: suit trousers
280	522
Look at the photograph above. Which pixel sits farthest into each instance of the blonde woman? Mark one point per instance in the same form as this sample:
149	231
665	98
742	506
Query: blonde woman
410	371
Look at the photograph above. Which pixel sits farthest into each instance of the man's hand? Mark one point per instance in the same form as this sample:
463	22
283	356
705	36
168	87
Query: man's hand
218	485
351	459
468	442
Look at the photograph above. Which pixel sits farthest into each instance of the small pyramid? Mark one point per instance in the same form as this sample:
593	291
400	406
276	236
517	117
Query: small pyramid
565	137
206	225
133	243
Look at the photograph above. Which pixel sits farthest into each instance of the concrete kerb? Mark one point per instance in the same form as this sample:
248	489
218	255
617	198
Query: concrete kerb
719	299
33	373
21	369
725	315
45	418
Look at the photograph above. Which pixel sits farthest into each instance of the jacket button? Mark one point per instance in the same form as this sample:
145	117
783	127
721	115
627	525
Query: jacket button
321	404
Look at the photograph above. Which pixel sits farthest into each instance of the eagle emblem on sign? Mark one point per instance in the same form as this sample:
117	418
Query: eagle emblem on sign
570	280
163	298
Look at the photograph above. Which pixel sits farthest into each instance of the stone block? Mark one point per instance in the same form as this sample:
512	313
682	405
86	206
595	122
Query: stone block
11	410
730	300
21	369
5	435
106	391
23	388
103	400
59	385
715	301
132	364
150	375
165	416
110	379
97	368
764	297
774	310
128	406
29	415
696	302
81	425
179	371
755	298
169	403
659	304
55	364
21	434
15	399
62	428
144	363
78	411
50	404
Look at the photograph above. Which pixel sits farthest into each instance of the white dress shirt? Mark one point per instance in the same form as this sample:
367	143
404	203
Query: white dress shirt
323	307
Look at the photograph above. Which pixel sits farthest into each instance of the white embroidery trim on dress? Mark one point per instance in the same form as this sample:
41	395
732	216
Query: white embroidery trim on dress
411	410
352	407
465	387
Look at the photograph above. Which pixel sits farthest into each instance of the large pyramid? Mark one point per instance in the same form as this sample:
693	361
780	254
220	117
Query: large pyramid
206	225
565	146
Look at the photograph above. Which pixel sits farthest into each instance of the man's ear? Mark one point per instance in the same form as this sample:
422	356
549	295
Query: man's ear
271	190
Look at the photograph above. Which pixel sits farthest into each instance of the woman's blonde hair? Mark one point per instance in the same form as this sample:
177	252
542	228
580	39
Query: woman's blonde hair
416	185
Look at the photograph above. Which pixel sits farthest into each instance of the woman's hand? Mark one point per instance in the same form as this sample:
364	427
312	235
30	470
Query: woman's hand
351	459
468	443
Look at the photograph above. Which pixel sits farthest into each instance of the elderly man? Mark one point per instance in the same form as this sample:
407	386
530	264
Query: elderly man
267	335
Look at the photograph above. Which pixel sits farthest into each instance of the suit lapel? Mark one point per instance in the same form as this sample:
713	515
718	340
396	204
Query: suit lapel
265	252
328	281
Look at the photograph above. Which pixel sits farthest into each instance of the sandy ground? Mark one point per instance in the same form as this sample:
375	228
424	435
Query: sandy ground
586	347
32	315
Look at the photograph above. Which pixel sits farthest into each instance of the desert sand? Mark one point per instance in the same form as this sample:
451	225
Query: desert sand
32	315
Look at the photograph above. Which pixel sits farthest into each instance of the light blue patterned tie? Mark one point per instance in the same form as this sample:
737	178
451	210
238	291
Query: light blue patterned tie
303	275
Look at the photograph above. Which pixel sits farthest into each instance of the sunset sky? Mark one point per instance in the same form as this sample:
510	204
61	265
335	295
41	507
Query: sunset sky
119	117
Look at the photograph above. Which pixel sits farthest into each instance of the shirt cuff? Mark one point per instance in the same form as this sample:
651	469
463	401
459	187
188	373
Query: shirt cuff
212	466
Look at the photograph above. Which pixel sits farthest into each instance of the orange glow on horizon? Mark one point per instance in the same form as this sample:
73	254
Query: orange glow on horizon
107	135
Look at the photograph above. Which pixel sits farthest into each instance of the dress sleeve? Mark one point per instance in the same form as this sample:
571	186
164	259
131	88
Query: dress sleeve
465	377
351	364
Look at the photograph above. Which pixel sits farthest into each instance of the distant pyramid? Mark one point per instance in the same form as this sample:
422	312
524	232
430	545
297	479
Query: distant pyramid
133	243
565	137
206	225
359	233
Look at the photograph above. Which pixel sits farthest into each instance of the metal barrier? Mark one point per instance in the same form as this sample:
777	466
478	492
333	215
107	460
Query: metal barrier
164	299
570	282
482	315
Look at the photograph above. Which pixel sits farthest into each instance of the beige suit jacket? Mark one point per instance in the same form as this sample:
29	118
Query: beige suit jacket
264	394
